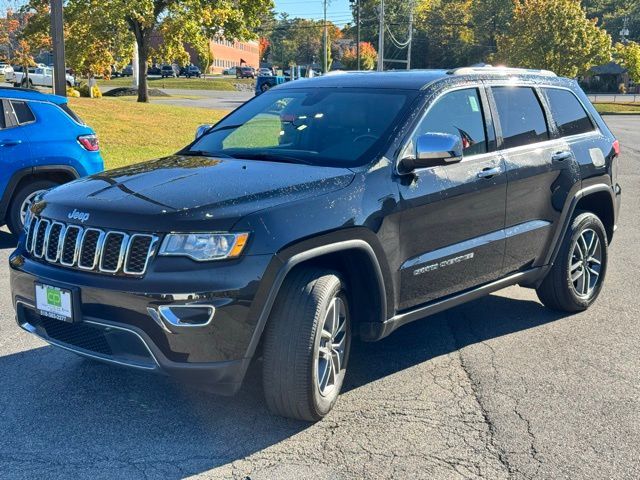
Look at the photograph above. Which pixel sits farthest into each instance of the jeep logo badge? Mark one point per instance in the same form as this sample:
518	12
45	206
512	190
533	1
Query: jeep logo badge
76	215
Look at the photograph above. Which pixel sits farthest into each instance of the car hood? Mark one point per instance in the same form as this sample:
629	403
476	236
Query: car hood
187	193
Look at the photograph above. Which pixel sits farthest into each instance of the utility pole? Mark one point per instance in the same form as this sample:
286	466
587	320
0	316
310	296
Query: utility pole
325	65
358	32
57	37
624	33
410	36
357	2
381	38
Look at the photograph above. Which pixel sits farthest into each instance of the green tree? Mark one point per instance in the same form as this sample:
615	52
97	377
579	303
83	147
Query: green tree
555	35
177	21
628	55
299	41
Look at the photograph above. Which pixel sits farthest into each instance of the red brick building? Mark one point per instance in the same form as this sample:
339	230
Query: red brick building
229	53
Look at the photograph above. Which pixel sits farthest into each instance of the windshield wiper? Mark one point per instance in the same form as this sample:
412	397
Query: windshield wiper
204	153
273	157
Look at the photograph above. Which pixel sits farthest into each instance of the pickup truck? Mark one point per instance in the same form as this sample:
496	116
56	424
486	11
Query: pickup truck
38	77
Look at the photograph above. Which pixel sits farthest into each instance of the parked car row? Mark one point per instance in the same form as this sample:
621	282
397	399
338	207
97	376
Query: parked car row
245	71
164	71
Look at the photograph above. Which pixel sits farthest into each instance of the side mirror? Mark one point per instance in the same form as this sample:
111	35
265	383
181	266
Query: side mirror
433	149
202	129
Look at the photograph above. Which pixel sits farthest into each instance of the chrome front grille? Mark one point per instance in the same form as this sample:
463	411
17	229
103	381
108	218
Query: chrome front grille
90	249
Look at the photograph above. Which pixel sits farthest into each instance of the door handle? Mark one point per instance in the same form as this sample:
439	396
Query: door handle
489	172
10	143
562	156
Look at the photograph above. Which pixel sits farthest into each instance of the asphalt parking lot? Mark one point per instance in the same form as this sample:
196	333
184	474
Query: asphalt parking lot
499	388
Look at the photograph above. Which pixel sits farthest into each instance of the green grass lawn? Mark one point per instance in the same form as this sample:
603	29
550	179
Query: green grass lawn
222	83
132	132
617	108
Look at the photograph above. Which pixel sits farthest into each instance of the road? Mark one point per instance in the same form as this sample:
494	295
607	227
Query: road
499	388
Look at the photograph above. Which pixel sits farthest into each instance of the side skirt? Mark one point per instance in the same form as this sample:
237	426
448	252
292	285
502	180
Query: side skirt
371	331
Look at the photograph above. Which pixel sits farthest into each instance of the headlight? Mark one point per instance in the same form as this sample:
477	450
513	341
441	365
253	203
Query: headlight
204	246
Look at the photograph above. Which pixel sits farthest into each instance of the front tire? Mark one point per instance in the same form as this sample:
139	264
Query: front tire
575	280
22	200
306	345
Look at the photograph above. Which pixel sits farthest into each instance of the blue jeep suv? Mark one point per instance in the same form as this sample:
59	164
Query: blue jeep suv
43	143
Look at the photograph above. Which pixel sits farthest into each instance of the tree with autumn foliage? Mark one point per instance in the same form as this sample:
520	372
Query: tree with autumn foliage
263	48
93	25
554	35
368	57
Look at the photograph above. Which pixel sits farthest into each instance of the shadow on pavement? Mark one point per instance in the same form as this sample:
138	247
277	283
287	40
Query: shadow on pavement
489	317
76	414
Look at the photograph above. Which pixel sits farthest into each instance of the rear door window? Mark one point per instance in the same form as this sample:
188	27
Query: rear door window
521	116
568	113
23	112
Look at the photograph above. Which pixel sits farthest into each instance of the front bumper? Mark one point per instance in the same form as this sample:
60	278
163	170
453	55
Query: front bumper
113	321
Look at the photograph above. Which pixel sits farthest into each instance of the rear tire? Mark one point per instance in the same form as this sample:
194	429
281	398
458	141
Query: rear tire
24	195
575	280
306	345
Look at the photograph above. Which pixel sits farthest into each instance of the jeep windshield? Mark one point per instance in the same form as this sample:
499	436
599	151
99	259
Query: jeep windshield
341	127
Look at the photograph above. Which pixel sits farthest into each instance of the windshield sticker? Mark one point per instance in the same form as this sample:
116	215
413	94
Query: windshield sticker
474	104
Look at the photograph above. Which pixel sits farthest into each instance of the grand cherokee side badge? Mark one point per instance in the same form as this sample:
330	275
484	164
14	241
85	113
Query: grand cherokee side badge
444	263
76	215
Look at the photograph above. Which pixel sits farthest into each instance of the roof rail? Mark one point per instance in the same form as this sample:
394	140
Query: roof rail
491	70
20	89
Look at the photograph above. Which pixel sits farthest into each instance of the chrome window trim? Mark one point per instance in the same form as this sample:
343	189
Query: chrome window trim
15	115
58	246
121	254
96	254
150	252
596	128
488	83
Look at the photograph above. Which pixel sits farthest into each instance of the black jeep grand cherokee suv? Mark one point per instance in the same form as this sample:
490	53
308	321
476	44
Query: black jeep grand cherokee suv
323	209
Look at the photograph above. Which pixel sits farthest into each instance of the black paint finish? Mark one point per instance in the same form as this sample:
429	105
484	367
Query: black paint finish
412	244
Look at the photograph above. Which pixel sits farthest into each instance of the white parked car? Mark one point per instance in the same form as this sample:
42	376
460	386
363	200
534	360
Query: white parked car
5	68
39	77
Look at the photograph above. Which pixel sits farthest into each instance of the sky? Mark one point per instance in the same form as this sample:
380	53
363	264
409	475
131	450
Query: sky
338	11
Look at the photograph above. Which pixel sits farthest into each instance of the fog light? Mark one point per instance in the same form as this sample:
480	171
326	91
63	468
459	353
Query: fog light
183	315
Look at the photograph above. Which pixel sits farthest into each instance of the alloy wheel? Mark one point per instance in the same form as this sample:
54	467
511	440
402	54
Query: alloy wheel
330	354
586	263
26	204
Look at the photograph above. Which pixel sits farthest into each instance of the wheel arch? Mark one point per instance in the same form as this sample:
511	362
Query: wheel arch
58	173
601	204
351	258
599	196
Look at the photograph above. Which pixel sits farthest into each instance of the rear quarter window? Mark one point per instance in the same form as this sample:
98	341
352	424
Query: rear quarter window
568	113
22	112
65	107
521	116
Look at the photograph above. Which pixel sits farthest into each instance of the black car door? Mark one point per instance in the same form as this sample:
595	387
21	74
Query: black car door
541	168
452	223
